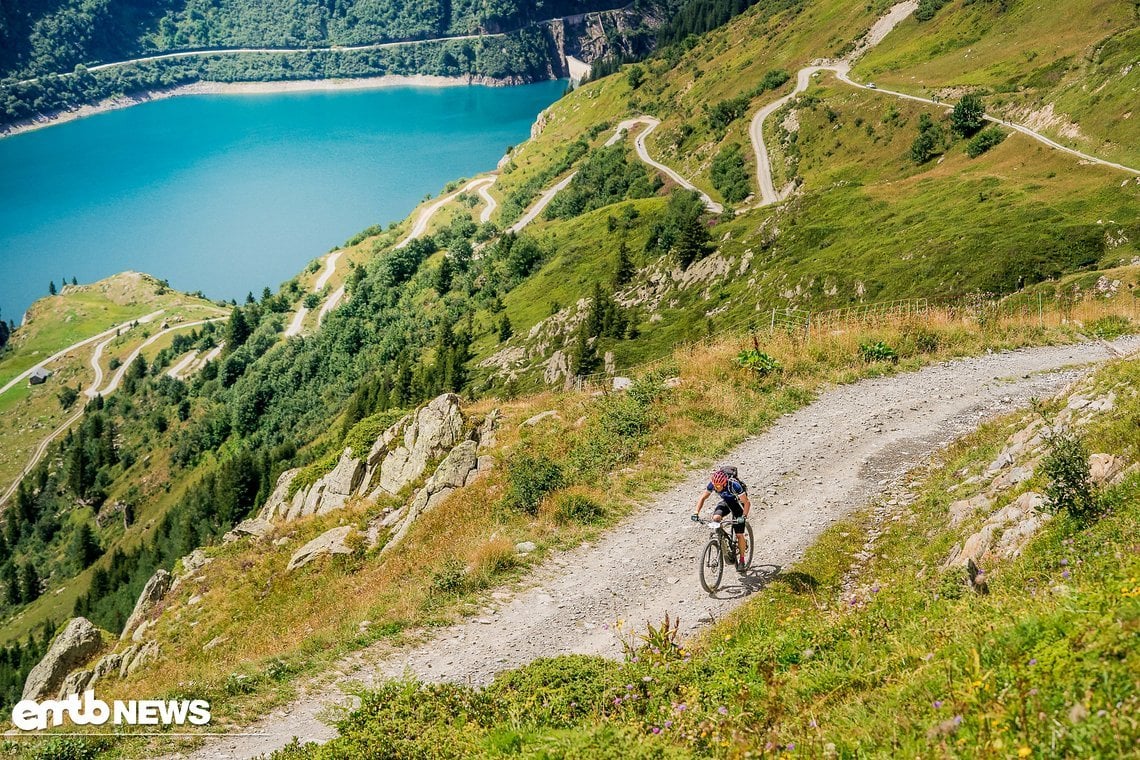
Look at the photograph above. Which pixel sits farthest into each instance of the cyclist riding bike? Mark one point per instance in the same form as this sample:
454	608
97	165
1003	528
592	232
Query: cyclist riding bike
733	500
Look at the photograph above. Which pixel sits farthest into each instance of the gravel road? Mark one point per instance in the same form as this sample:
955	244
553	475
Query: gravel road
809	470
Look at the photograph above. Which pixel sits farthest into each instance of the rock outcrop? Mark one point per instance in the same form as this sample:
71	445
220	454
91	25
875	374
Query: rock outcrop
152	593
452	473
78	643
436	428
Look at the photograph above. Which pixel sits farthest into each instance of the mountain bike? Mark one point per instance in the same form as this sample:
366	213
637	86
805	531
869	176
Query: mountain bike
722	544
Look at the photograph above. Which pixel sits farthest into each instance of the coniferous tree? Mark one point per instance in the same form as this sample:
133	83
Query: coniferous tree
442	281
624	270
11	579
85	547
4	333
505	329
237	330
29	583
51	288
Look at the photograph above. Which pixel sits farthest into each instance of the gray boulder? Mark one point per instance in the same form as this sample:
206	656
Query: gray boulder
278	502
329	542
78	643
451	474
435	429
152	593
251	528
75	683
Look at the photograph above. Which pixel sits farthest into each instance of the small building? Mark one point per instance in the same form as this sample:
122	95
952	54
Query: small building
39	376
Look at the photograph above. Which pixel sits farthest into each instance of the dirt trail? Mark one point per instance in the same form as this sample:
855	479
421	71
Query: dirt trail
809	470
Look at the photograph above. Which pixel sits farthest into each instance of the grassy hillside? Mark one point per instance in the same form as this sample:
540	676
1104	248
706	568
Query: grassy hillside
870	646
1070	73
468	311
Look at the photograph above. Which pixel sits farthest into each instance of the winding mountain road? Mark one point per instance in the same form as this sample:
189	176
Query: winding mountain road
842	69
94	390
639	144
80	344
811	469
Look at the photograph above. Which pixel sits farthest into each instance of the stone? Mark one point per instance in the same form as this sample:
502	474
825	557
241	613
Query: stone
963	508
254	527
525	547
146	654
672	382
195	561
341	483
152	593
451	473
1102	467
435	429
1011	477
128	656
140	632
1003	460
75	683
488	429
622	384
549	414
278	502
75	645
328	543
108	664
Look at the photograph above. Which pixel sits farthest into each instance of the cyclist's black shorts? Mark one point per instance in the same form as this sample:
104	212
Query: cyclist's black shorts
726	508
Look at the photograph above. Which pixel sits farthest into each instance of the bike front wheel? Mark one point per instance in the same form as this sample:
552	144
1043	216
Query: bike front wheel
748	543
712	566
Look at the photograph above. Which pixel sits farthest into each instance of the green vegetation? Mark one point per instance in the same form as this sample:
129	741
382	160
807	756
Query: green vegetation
984	140
835	657
730	174
606	176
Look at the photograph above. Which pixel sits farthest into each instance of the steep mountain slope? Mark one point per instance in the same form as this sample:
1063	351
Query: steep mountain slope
619	263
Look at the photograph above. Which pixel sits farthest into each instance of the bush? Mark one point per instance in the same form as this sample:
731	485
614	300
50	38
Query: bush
878	352
577	508
1112	326
983	141
759	362
530	478
968	115
553	692
449	579
730	175
1066	465
925	341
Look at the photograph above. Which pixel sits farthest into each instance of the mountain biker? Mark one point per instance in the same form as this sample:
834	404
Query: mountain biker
733	500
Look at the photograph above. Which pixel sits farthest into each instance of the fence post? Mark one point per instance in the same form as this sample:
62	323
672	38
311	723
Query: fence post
772	327
1040	310
807	325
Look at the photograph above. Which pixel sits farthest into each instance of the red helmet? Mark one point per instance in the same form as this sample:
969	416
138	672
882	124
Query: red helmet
719	480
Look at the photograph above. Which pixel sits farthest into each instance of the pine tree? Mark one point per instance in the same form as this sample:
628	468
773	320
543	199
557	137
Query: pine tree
584	355
443	276
85	547
4	333
11	581
692	241
624	271
237	330
505	329
51	288
29	583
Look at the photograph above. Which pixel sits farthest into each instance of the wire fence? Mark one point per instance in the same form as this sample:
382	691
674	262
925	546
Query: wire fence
983	309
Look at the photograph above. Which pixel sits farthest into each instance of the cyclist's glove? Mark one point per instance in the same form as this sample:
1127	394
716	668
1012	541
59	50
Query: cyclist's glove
695	518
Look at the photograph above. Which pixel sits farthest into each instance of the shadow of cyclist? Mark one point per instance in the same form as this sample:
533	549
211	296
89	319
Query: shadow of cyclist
756	578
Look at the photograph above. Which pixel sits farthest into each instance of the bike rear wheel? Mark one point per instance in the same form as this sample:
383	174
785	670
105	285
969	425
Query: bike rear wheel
712	566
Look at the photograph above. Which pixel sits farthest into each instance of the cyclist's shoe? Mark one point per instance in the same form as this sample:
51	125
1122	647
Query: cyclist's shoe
740	566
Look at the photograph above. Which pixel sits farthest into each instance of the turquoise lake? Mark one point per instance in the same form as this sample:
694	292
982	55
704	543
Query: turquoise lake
229	193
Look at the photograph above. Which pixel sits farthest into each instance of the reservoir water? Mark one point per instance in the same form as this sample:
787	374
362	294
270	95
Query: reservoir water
229	193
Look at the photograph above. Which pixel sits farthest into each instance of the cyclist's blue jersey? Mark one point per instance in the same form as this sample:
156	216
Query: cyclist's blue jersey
731	493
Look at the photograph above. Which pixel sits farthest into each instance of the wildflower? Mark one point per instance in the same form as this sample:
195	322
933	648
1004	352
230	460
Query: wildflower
628	686
617	701
957	720
1066	574
813	724
791	746
647	679
1024	752
668	724
1033	661
1063	562
680	707
722	710
928	657
1033	692
937	704
656	730
875	589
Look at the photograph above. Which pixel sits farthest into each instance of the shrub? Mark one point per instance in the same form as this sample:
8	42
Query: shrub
553	691
449	579
578	508
730	175
759	362
1112	326
68	748
968	115
983	141
530	478
492	558
925	341
1066	465
878	352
